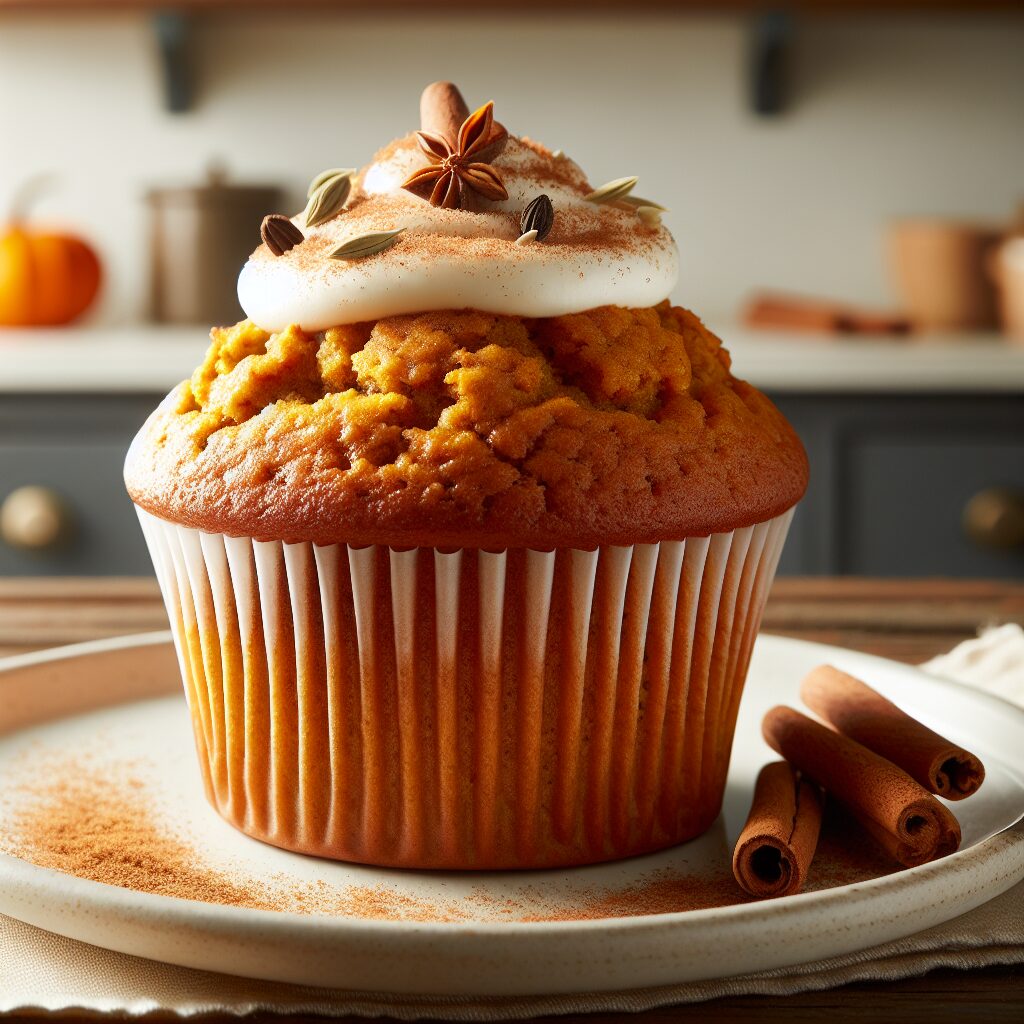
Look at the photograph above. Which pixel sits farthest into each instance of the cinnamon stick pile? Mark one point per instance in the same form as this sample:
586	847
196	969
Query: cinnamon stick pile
883	766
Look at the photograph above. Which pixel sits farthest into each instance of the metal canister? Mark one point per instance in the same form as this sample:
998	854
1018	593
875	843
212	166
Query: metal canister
200	238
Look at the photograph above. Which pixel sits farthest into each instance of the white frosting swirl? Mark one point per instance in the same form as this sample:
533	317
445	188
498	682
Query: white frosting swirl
595	255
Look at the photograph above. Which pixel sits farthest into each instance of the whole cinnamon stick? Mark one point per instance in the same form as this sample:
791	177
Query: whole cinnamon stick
442	110
773	310
909	823
864	715
775	848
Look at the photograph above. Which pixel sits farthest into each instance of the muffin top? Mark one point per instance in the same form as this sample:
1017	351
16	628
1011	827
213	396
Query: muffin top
432	358
469	429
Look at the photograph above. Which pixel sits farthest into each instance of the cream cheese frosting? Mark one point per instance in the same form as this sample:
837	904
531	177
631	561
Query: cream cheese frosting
595	254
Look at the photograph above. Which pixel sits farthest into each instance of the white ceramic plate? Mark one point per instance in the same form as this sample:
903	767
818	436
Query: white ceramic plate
116	702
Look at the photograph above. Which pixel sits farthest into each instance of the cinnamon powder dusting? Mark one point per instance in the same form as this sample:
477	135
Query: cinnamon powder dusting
662	892
98	826
87	824
90	830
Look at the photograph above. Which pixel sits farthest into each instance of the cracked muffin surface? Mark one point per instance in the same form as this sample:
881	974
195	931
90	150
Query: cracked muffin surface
466	429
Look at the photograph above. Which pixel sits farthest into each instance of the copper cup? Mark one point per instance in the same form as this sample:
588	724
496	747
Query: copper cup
941	273
1008	272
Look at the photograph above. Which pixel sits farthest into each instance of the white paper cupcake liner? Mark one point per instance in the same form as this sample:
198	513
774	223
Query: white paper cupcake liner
468	709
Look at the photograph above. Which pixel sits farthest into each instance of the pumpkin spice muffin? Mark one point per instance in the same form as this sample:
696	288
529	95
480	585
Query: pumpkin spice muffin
465	533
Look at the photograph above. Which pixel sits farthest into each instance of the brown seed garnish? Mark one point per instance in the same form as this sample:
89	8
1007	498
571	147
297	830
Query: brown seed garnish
280	234
538	216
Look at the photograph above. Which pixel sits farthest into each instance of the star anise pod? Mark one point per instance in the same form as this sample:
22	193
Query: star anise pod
452	170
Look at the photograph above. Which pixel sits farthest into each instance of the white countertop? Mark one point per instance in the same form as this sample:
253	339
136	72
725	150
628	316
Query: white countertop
795	362
106	360
151	360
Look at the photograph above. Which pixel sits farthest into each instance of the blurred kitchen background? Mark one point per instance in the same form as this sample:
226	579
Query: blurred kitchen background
846	183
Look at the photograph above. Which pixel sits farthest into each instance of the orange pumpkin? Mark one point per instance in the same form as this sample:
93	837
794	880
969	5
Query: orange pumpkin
46	278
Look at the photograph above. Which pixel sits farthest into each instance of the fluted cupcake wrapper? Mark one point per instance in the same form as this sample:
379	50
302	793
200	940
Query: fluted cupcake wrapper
465	709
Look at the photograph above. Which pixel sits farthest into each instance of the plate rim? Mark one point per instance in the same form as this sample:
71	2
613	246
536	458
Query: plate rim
513	959
155	906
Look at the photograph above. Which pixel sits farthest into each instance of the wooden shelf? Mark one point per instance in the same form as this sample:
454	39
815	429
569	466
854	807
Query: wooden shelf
772	23
561	6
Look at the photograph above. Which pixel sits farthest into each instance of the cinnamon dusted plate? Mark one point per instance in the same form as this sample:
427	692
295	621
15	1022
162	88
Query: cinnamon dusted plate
107	839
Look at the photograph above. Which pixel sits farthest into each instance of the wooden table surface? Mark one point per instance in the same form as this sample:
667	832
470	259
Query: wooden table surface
908	620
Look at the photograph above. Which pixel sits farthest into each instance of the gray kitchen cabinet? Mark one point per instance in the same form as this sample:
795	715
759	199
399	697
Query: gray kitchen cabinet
891	476
74	447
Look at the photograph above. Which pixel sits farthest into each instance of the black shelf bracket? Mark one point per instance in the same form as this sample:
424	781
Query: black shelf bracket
172	30
770	49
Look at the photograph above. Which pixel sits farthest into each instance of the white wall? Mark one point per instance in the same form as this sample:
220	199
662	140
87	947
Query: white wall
891	116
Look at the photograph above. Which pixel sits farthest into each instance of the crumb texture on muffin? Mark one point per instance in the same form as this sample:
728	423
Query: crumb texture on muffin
613	426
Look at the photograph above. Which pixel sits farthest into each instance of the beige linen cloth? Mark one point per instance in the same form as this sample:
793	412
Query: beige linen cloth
43	971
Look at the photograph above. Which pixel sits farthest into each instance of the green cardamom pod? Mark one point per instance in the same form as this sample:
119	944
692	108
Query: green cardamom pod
612	191
366	245
324	175
327	201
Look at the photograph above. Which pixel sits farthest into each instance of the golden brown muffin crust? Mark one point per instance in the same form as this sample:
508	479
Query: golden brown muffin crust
466	429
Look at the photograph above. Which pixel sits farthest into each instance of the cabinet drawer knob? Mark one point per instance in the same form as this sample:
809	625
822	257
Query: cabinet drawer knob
994	518
34	518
